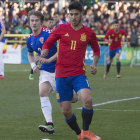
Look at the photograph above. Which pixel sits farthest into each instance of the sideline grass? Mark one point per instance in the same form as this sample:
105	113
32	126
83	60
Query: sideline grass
20	111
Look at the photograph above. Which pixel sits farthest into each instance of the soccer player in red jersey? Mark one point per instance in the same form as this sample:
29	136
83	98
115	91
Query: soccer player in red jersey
70	68
115	47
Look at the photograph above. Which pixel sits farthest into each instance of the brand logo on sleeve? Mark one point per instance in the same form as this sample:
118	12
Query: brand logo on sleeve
66	34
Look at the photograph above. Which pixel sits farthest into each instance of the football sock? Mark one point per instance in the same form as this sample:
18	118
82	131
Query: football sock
118	67
31	71
87	117
73	124
1	66
46	109
108	67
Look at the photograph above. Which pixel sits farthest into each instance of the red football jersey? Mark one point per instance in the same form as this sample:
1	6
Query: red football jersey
71	48
116	38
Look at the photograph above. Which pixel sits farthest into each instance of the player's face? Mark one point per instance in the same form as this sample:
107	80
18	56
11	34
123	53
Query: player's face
116	27
56	18
75	17
50	24
35	23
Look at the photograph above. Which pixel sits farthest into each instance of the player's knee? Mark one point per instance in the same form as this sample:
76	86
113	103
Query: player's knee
44	93
66	112
88	102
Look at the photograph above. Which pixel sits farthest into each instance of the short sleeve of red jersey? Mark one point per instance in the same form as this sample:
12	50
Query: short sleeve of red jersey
124	33
54	36
94	44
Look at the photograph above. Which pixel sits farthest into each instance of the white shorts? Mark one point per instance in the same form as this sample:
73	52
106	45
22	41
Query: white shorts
1	47
47	76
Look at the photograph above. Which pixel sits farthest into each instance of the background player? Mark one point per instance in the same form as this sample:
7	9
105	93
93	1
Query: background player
2	42
47	71
115	46
70	68
57	20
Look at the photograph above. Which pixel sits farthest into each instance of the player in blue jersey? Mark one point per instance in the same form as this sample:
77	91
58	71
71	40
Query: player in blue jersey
49	30
2	42
47	70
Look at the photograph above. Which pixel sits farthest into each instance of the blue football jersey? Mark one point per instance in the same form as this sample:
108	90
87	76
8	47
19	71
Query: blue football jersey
35	43
2	26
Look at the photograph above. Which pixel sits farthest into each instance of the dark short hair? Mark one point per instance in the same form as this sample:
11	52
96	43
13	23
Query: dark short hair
76	5
56	13
49	19
116	22
36	13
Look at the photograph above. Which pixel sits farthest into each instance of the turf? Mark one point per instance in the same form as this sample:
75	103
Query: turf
20	111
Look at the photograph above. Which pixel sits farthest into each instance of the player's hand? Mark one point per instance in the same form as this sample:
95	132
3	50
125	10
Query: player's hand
93	69
36	59
44	53
44	60
111	41
36	69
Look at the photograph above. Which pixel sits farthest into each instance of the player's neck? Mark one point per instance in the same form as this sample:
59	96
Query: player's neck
35	33
116	31
79	26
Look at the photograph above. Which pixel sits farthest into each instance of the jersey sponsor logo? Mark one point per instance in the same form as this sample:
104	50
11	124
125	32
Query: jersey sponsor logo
66	34
41	39
57	96
83	37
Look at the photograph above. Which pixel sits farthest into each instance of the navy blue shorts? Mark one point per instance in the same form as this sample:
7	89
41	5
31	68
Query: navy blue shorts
66	85
112	53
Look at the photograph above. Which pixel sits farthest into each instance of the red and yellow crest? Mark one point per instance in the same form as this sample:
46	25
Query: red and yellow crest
41	39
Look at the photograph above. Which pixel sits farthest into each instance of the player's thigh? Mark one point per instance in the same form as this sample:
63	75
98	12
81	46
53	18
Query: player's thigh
64	91
66	107
45	89
118	53
46	83
82	87
112	54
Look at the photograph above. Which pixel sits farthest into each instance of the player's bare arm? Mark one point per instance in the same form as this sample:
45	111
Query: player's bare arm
94	64
44	53
3	31
128	44
51	59
109	41
32	63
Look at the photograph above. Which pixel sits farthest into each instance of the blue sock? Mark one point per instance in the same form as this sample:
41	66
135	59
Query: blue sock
87	117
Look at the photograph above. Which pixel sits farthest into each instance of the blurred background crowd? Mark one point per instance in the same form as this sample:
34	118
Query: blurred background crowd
99	16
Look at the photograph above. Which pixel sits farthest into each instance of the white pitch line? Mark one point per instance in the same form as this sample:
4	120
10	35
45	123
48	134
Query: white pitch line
116	110
114	101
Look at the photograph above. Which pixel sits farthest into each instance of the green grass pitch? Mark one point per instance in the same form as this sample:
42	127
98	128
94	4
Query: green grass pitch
20	111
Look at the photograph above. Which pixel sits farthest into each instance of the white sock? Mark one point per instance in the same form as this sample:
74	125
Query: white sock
46	109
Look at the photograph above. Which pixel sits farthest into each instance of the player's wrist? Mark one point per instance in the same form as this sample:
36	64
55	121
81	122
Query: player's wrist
33	65
108	41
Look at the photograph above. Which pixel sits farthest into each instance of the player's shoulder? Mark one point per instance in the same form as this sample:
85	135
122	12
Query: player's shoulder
29	37
88	30
122	30
45	29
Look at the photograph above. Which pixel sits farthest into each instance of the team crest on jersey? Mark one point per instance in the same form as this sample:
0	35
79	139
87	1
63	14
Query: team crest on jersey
120	35
83	37
41	39
112	34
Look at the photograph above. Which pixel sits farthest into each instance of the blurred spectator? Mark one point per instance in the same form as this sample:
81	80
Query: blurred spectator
12	28
20	28
23	11
28	8
26	30
15	19
7	23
